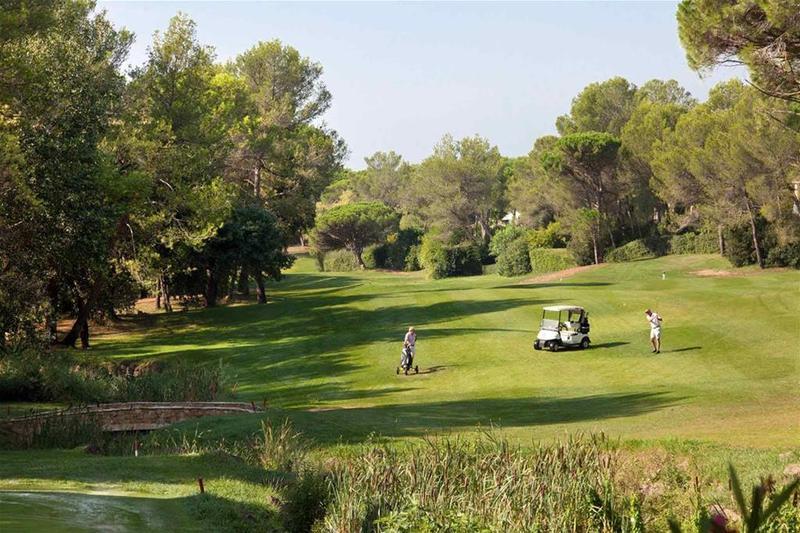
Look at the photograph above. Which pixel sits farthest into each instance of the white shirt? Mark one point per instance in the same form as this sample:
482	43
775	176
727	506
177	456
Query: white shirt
655	321
411	338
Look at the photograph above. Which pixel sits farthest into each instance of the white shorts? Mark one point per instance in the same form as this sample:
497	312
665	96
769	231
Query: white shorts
655	333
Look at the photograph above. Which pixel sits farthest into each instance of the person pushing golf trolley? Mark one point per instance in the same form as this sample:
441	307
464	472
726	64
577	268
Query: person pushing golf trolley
655	321
409	352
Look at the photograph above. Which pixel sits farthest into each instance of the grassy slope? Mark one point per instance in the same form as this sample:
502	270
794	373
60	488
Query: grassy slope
323	353
328	344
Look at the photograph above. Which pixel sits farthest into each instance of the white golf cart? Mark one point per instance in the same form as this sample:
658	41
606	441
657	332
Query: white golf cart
563	326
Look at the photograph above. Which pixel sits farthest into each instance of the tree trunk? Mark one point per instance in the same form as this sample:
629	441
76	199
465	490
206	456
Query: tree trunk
262	293
212	288
257	181
486	232
80	327
594	247
167	295
721	237
244	282
359	260
753	230
158	294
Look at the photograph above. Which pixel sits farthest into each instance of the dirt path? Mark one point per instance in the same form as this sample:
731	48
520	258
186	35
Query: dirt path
559	275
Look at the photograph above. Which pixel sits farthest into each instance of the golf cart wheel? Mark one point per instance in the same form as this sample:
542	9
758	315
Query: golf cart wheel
416	369
554	346
585	343
537	346
405	371
397	370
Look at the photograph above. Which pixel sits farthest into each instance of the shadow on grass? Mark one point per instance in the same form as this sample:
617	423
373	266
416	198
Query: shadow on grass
285	349
613	344
687	349
329	425
534	285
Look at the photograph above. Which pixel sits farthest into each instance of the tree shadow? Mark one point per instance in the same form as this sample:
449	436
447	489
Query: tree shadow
285	350
534	285
418	419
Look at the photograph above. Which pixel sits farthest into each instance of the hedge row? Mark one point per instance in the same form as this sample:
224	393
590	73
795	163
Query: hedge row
444	261
544	260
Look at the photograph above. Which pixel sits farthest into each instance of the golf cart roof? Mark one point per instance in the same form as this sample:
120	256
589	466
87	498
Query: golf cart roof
559	308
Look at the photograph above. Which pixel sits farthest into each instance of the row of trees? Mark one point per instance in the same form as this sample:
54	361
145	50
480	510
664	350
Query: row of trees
628	163
186	176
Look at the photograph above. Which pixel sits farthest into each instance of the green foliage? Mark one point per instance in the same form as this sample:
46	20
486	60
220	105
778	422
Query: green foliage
600	107
306	500
694	243
514	260
393	254
459	188
505	236
339	261
444	261
481	485
787	255
629	252
638	249
550	237
545	260
413	261
354	227
718	32
31	374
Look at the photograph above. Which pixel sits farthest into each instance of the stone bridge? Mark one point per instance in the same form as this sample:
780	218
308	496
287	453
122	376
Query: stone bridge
132	416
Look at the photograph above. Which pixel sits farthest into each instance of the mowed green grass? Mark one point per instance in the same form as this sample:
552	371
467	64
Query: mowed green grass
323	352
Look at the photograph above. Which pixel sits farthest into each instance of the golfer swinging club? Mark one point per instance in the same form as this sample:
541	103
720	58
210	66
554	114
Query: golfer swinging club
655	329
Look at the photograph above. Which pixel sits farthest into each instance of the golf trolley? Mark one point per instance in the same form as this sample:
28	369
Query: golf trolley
571	332
407	362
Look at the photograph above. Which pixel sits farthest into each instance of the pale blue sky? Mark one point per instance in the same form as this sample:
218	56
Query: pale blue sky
404	74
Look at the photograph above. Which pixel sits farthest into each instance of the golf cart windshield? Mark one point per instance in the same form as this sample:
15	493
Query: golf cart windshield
558	317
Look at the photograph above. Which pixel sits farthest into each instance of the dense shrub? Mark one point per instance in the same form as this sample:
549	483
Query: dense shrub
694	243
550	237
393	253
629	252
412	262
787	255
504	237
442	261
482	485
340	261
739	242
545	260
514	260
31	374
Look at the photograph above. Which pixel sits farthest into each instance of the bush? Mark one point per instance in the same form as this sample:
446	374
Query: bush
370	256
393	254
504	237
340	261
694	243
549	237
739	242
412	262
545	260
442	261
514	260
629	252
306	500
787	255
32	374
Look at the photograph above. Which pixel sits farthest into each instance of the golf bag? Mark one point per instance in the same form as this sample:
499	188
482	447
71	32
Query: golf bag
407	360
